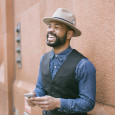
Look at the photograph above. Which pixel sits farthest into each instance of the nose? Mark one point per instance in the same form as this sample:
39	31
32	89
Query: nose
51	29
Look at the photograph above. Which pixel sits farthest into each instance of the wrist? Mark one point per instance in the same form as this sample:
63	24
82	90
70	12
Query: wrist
57	102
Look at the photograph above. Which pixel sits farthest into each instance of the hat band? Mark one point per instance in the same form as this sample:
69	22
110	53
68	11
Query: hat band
64	20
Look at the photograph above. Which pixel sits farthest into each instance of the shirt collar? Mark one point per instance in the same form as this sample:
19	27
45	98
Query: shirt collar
62	55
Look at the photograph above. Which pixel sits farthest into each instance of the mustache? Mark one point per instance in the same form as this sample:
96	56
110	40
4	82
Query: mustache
51	33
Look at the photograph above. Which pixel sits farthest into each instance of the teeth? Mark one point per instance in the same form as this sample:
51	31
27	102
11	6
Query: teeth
51	36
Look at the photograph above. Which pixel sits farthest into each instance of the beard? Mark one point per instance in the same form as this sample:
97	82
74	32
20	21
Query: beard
58	41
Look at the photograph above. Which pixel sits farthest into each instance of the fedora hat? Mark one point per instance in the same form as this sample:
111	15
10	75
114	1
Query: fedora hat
65	16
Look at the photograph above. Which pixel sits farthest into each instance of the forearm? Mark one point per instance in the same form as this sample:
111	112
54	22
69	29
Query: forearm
39	90
76	105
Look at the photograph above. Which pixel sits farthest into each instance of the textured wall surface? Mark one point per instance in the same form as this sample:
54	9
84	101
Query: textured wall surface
1	36
2	92
6	57
1	45
96	21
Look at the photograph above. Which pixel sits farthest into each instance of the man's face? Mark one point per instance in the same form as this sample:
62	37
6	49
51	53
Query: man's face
56	34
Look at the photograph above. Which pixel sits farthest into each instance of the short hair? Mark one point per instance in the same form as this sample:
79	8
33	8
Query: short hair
69	28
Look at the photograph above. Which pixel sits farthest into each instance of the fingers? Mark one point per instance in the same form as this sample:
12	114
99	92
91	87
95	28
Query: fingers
44	98
42	102
34	101
45	107
39	103
45	102
29	102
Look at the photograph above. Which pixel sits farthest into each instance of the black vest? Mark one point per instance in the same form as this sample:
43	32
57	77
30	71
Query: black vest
64	84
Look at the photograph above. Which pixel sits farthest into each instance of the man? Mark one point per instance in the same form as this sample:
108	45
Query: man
66	83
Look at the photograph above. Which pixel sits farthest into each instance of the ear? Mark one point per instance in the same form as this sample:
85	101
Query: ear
70	34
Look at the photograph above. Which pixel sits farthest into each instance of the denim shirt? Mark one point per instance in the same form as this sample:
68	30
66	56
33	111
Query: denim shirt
85	74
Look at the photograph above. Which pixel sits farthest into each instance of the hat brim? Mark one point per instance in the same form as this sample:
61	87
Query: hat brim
77	32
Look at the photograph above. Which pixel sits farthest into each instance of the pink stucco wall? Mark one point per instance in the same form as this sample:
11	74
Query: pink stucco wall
96	21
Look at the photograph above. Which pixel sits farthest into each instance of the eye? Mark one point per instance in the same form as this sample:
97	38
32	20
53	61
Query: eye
57	27
49	27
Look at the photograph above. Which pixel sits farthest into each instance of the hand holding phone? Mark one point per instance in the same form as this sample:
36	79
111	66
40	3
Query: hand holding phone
29	95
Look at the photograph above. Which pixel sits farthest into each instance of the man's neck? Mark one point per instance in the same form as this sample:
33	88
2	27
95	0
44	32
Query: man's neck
60	49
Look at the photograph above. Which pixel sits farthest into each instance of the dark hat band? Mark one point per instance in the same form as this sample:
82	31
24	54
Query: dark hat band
63	20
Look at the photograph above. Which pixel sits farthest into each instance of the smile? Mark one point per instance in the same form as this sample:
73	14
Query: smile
51	38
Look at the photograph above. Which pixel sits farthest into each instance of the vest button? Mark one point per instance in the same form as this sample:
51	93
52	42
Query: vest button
64	110
52	93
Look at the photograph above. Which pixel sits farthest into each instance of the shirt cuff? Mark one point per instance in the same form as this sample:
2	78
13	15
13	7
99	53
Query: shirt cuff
36	93
64	105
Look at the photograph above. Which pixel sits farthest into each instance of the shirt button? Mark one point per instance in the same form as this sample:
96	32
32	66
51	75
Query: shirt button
55	55
58	109
55	66
52	92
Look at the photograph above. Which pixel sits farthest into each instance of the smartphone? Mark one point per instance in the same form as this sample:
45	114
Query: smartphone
29	95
